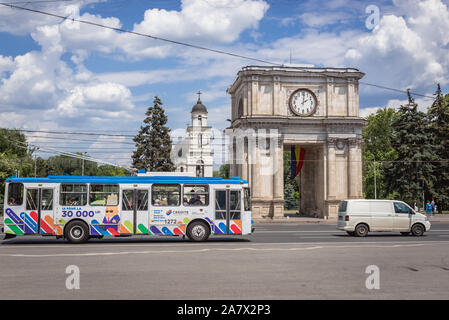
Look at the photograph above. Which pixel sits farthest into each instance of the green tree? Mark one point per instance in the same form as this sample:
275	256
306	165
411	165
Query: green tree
107	170
223	171
290	197
291	188
153	143
64	165
15	159
13	143
8	167
438	115
412	172
377	147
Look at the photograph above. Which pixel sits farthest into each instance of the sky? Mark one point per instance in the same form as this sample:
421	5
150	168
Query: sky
60	75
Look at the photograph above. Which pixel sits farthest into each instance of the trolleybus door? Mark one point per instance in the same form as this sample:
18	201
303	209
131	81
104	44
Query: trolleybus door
134	214
228	212
39	211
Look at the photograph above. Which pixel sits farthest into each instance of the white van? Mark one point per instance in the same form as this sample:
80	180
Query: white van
358	217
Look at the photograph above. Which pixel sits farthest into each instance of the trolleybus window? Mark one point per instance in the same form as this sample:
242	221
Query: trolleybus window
127	200
195	195
220	205
247	199
32	199
15	194
165	194
47	199
141	198
103	195
73	195
234	205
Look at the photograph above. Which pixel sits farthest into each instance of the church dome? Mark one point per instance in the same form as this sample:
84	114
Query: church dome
199	107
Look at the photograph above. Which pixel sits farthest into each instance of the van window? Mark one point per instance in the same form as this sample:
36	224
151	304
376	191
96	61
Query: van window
401	208
343	206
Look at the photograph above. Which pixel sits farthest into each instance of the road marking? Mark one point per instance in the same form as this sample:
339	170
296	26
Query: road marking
112	244
203	250
313	237
298	231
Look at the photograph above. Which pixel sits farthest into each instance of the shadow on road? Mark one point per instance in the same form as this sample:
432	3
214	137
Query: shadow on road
36	240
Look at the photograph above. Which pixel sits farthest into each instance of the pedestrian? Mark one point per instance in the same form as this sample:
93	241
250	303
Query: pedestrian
428	207
415	207
433	206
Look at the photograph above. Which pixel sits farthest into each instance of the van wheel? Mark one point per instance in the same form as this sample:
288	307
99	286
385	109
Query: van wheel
417	230
77	232
361	230
198	231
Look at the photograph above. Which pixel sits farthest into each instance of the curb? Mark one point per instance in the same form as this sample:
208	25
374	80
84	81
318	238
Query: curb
293	221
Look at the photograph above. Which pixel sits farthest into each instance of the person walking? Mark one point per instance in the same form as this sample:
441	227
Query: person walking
428	207
433	206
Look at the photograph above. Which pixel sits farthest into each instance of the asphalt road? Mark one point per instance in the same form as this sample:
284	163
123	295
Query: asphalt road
279	261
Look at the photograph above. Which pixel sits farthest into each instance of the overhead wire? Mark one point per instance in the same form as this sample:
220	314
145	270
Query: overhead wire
196	46
140	34
13	5
79	133
69	154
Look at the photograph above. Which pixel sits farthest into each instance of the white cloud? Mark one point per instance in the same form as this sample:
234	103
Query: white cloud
409	51
105	99
198	21
10	17
423	104
32	81
314	19
6	64
312	47
204	20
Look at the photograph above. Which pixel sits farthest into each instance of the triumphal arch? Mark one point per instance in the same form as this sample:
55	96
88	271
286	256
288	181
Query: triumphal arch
317	109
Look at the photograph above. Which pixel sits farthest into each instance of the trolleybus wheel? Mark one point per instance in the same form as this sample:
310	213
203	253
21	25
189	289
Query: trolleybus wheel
198	231
77	232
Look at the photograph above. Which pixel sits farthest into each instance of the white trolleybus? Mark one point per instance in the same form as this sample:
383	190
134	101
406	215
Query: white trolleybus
79	208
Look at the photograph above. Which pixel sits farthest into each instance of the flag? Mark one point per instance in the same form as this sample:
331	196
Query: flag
297	160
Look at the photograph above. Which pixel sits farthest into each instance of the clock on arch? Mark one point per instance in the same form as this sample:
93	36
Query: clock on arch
303	102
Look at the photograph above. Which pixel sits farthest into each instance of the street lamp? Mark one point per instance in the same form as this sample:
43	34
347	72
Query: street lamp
33	150
82	168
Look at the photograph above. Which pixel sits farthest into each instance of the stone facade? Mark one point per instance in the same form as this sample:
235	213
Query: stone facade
332	136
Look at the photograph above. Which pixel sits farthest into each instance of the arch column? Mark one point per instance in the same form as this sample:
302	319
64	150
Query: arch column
355	169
